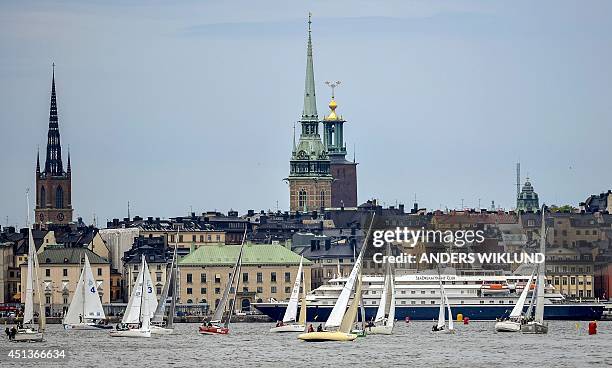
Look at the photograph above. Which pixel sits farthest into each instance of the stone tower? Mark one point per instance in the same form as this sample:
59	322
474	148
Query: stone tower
344	172
53	184
309	178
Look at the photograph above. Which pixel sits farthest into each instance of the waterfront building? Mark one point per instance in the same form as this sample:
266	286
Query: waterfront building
527	200
310	180
268	272
344	172
60	269
53	184
598	203
158	255
571	271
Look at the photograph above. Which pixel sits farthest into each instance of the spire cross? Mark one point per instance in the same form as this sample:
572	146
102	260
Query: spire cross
309	22
333	86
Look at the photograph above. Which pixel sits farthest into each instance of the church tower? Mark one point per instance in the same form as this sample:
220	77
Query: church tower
53	184
344	172
309	178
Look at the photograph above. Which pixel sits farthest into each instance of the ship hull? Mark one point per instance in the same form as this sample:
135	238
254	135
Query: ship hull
569	312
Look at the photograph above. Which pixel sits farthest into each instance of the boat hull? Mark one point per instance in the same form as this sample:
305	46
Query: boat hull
480	312
28	336
157	330
289	328
213	330
327	336
508	326
87	326
534	328
135	333
380	330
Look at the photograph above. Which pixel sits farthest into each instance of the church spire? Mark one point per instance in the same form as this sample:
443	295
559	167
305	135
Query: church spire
68	169
53	162
310	100
38	160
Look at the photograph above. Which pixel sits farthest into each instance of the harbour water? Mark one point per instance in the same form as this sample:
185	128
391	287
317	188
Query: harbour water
251	345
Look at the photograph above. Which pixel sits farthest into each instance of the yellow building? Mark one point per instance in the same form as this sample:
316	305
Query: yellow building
59	272
268	272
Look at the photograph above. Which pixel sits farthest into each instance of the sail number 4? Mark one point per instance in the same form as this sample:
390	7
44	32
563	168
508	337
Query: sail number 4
36	354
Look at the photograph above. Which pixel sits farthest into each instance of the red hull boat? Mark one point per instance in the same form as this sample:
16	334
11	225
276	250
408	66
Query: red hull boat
213	330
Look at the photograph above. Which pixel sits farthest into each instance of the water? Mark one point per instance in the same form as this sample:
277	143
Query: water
251	345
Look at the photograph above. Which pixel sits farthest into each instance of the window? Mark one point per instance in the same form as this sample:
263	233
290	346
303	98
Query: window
217	278
217	290
259	277
189	278
218	238
273	277
159	290
158	277
65	272
47	272
302	199
201	238
203	290
180	238
59	197
572	281
43	197
322	198
48	300
245	277
287	289
189	291
193	238
245	289
273	289
259	289
287	276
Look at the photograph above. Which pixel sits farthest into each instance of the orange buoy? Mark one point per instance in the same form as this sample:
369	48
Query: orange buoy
592	328
466	320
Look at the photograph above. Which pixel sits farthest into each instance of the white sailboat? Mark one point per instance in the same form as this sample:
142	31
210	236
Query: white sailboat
340	321
385	315
85	309
516	318
136	321
441	325
29	333
537	325
158	326
216	326
289	322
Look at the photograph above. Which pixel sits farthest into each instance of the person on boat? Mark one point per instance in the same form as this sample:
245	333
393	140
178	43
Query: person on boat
8	333
320	328
209	324
80	318
310	328
13	333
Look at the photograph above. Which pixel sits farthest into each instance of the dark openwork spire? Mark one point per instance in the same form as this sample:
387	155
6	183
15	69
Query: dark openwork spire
38	160
53	162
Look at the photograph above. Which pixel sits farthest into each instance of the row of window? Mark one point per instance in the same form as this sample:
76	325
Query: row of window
208	238
245	277
65	272
245	289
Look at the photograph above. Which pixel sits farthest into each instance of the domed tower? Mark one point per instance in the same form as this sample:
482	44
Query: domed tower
309	177
344	172
527	200
53	184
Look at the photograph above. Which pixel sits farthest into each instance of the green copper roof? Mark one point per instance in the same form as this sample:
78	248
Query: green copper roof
310	99
254	254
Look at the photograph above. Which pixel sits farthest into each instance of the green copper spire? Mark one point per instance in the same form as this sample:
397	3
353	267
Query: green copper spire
310	99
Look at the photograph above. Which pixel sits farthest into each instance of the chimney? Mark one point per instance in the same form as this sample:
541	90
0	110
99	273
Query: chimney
327	244
313	245
401	208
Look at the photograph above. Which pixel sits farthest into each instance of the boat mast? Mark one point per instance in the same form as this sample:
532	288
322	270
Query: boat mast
142	290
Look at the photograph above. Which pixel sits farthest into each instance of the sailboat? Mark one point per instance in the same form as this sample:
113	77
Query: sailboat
441	325
158	326
28	332
516	318
537	325
360	331
340	321
136	320
216	326
385	315
85	308
289	323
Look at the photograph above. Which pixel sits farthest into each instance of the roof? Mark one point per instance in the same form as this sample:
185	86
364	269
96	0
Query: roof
254	254
61	255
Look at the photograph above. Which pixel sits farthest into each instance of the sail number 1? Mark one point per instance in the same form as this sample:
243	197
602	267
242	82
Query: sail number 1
36	354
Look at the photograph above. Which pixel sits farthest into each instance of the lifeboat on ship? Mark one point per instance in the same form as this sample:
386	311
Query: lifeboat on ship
494	289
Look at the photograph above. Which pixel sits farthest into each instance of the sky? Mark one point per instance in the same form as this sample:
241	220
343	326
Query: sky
180	106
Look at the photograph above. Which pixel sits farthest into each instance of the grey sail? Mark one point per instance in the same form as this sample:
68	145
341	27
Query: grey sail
160	312
173	288
220	308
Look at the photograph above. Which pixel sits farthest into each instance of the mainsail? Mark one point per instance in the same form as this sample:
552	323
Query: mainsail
539	309
220	308
350	315
85	302
441	320
160	312
133	310
517	311
380	313
291	311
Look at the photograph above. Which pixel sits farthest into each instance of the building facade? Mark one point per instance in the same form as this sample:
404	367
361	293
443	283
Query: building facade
267	272
310	180
527	200
53	184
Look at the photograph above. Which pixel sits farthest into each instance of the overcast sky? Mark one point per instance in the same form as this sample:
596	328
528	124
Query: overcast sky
175	105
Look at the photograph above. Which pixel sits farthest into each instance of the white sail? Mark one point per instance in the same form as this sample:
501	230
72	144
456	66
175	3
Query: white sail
76	304
539	309
337	313
145	311
133	310
517	311
380	313
391	317
441	320
28	313
450	313
291	311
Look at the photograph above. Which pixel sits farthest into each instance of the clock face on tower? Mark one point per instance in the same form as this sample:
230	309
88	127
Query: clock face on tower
60	217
